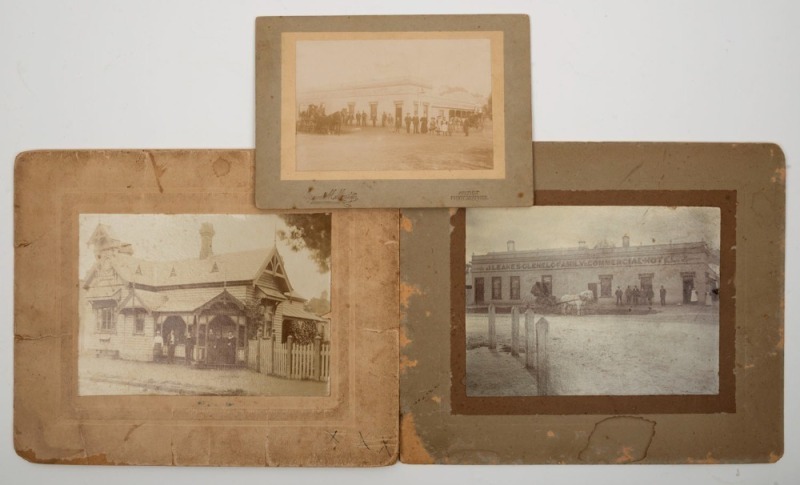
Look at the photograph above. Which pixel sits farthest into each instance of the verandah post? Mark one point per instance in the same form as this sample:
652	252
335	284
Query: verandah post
317	357
515	331
289	345
492	328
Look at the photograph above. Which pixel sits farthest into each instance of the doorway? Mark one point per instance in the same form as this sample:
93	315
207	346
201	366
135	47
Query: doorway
221	341
688	286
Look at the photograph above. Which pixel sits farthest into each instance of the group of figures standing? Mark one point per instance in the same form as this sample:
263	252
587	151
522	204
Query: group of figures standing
221	349
635	296
315	120
436	126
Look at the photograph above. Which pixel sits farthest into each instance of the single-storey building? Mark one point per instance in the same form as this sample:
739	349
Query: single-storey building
211	305
395	97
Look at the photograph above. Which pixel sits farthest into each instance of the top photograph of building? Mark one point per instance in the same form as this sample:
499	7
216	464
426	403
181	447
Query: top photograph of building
394	105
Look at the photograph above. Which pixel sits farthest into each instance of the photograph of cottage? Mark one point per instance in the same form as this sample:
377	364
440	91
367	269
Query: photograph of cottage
592	301
204	304
394	104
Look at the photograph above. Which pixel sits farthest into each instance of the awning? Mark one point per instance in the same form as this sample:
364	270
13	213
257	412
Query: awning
294	312
275	294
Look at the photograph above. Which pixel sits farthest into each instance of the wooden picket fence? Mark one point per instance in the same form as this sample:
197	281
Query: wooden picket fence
311	361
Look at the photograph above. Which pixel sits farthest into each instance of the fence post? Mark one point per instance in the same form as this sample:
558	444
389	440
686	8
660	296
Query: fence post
514	331
530	340
289	345
258	353
271	355
492	329
542	370
317	357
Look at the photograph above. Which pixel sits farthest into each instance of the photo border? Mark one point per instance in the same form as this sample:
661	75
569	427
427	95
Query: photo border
724	401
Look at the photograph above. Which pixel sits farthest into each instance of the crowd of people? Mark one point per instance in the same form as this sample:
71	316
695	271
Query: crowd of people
221	348
636	296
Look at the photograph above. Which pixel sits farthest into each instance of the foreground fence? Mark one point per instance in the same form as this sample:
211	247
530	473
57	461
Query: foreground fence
535	343
288	359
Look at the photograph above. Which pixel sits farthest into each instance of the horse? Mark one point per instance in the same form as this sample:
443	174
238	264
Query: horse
577	301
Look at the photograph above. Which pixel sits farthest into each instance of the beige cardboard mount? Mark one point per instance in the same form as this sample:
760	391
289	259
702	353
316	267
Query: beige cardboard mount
356	425
743	424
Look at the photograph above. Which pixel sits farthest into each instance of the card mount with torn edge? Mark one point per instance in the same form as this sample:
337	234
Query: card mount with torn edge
493	400
128	351
393	111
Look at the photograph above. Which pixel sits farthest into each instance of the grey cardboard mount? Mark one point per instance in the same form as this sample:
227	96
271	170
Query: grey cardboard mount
433	432
275	191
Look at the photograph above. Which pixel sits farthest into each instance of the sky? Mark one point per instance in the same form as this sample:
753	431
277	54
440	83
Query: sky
553	227
163	237
443	62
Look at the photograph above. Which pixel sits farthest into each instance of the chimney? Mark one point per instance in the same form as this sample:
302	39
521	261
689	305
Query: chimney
582	244
206	235
510	245
626	241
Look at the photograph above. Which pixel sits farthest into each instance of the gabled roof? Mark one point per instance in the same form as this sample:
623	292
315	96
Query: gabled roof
218	268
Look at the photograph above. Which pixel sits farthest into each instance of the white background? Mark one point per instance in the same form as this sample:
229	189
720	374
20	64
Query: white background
159	74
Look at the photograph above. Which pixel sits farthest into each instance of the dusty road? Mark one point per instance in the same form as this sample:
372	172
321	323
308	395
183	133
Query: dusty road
675	351
383	149
105	376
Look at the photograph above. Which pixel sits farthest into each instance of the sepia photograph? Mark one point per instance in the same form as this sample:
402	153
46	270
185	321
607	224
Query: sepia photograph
209	304
592	301
394	102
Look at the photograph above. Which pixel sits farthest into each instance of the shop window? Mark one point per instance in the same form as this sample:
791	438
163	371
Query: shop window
497	288
515	287
479	290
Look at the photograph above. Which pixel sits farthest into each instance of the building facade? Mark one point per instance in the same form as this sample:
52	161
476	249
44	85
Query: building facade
395	97
685	270
211	305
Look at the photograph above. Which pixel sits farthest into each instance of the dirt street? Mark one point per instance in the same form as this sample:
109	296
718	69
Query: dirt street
675	351
105	376
383	149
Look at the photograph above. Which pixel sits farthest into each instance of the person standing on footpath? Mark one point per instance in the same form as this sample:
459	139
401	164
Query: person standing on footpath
663	294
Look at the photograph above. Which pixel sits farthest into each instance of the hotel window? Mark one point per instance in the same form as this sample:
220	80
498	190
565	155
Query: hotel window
547	284
646	282
605	285
497	288
478	290
515	287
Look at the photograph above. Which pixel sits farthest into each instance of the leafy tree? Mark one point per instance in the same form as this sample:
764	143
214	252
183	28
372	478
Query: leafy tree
303	332
318	306
311	232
